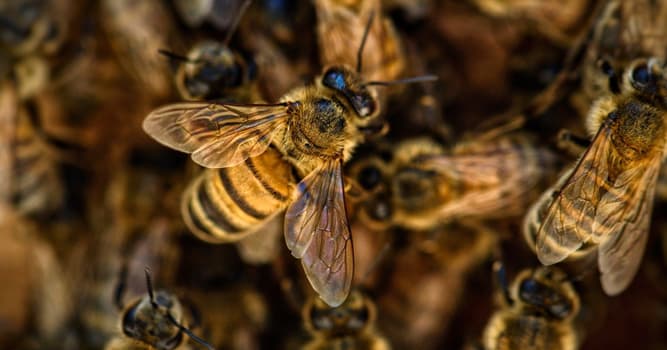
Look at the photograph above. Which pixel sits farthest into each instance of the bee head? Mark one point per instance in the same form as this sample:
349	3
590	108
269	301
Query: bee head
352	317
148	321
209	69
350	86
547	291
646	78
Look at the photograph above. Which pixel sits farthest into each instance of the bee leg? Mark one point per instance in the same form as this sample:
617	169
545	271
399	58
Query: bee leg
571	143
501	281
119	291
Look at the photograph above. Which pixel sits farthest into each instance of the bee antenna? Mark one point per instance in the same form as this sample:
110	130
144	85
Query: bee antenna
412	80
363	40
174	56
609	70
235	24
189	332
149	286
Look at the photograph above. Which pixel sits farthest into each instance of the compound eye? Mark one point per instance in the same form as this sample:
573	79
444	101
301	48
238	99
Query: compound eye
369	177
641	74
334	79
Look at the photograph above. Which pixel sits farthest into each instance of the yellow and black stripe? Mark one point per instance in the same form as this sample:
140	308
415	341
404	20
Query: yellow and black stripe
224	205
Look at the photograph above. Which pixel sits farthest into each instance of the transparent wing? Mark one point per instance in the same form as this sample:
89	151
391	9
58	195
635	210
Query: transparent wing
217	135
569	219
625	213
317	231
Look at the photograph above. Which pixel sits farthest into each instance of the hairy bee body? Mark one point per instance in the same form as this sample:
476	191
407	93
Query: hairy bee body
538	315
227	204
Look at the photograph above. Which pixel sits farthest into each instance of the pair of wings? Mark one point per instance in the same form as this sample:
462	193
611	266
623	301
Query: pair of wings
496	188
614	214
224	135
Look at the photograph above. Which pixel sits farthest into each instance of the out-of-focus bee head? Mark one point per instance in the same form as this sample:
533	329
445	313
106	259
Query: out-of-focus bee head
27	24
645	78
149	320
350	318
548	292
415	187
212	68
350	85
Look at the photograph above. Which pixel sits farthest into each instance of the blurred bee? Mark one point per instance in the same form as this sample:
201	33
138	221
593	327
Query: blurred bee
136	31
348	326
213	71
31	180
428	186
607	198
439	263
220	13
33	26
624	31
156	321
315	128
36	306
557	20
341	22
538	311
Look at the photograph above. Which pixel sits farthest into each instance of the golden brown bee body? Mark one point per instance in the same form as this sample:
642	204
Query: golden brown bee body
228	204
215	72
606	199
348	326
429	186
314	128
539	314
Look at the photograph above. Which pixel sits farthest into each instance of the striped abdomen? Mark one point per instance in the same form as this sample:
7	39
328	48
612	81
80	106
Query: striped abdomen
224	205
35	184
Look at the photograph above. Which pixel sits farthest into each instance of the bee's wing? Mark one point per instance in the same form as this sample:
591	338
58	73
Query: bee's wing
217	135
569	219
625	212
317	231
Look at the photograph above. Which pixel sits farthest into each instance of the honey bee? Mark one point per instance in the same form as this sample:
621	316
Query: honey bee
137	31
212	71
348	326
155	321
315	128
31	180
538	311
607	198
429	186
